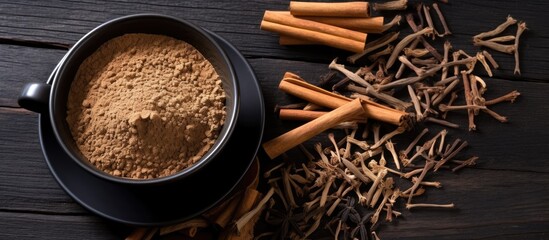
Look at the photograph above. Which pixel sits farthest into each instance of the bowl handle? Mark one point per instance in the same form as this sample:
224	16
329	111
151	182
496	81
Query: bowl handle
35	97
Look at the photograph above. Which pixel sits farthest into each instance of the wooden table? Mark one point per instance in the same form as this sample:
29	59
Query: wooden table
504	197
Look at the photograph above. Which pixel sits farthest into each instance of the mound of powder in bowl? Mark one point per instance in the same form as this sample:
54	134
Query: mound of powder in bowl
145	106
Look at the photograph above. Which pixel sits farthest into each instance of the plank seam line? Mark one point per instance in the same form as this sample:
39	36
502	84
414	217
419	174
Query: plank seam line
511	170
33	43
43	212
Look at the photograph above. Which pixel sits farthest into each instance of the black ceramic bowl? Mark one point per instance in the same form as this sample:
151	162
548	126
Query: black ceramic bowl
52	99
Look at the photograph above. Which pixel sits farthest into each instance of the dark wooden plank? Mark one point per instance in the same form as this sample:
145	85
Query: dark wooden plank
20	65
62	22
26	183
490	204
40	226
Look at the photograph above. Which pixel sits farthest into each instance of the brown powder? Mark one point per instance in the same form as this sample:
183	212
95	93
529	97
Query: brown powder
145	106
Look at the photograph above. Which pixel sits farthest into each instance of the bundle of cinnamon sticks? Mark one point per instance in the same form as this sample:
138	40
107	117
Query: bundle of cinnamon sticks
343	25
344	109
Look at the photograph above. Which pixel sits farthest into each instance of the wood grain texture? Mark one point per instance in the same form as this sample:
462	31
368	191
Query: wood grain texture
21	65
503	197
26	183
488	204
41	226
61	22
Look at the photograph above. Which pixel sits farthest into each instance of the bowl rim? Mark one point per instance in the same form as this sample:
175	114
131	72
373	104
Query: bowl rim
210	155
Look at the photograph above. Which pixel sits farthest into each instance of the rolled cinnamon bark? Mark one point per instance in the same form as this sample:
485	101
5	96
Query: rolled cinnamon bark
330	9
314	36
298	114
307	115
289	41
298	135
361	24
285	18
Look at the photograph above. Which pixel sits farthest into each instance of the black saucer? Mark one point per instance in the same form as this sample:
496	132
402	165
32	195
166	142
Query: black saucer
173	202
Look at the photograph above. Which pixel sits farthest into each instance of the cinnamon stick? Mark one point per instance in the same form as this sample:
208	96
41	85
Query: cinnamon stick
294	137
246	231
305	115
225	217
313	36
284	40
312	93
249	199
361	24
299	115
330	9
189	224
293	75
282	17
142	233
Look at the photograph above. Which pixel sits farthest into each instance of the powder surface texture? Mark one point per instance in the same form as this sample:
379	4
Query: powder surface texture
145	106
